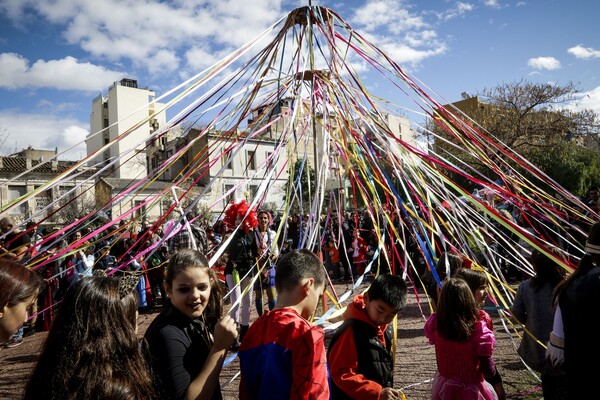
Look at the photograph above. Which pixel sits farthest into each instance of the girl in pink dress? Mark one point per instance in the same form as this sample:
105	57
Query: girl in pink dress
463	347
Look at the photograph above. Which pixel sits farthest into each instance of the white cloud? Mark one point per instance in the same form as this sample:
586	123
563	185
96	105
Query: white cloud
549	63
492	4
65	74
146	32
587	101
391	15
584	53
459	10
45	132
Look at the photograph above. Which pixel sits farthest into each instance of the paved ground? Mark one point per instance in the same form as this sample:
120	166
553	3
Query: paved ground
415	359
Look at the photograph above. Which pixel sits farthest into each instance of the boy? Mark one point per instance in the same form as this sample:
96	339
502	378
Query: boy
282	355
359	356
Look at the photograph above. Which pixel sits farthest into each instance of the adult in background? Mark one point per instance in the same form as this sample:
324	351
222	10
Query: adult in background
576	323
15	243
241	260
267	254
533	308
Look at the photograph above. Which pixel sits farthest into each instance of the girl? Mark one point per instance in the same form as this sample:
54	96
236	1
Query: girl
478	283
463	346
186	358
19	289
91	351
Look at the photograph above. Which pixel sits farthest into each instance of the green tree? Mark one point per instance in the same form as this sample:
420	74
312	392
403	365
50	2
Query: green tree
531	119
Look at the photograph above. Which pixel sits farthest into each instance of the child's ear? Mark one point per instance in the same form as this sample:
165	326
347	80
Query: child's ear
3	310
309	285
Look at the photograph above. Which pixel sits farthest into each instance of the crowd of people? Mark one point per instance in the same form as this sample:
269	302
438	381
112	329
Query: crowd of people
89	298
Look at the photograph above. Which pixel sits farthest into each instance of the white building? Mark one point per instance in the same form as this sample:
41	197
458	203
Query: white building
124	107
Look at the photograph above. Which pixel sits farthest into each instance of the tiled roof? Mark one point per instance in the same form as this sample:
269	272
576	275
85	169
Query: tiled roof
19	164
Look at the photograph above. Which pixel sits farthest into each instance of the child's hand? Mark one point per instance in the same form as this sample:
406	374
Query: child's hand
388	394
225	333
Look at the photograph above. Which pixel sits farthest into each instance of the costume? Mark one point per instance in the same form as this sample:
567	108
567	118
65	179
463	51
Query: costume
241	250
178	348
533	308
462	365
359	356
266	253
283	357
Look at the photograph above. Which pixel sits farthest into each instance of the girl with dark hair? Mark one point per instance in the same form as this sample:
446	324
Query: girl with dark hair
92	351
19	289
533	308
463	346
186	357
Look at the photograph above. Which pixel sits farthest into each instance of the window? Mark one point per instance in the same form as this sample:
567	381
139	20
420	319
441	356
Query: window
105	122
139	211
228	196
14	192
227	160
269	154
252	189
250	160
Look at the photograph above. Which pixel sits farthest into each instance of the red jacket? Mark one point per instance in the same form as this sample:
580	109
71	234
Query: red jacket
343	359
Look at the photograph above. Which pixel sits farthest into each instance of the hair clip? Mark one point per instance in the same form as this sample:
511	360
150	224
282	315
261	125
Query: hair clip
128	282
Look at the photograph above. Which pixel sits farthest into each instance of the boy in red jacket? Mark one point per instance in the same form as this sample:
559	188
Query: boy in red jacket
282	357
359	356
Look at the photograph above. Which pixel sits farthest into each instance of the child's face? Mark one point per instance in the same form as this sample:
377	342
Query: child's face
481	294
190	291
380	312
11	318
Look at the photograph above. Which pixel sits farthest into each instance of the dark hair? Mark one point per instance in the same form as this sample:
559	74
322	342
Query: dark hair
457	311
187	258
92	350
298	265
475	278
17	283
391	289
547	270
586	263
455	261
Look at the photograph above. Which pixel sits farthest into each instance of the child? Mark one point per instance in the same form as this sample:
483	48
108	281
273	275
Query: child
92	351
282	355
359	356
478	283
463	346
185	357
19	289
334	258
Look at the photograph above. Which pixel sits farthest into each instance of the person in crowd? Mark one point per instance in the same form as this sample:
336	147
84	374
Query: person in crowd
478	283
463	346
267	253
359	255
533	308
573	346
282	355
92	351
359	356
15	243
334	260
241	261
19	288
448	262
188	341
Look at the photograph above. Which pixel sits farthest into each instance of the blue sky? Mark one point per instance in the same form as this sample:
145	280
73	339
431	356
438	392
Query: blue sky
57	55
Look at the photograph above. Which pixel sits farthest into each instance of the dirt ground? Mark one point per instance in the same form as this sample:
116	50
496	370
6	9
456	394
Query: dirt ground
415	359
